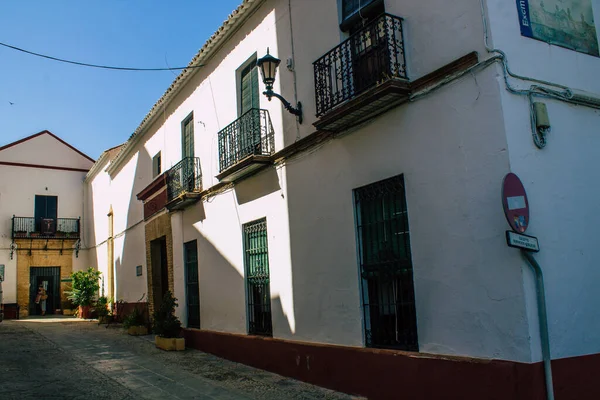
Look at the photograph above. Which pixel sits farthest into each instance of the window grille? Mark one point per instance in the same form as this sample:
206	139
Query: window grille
257	277
385	265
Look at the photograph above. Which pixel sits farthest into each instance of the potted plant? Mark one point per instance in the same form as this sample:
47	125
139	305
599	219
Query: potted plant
102	311
85	286
167	326
135	324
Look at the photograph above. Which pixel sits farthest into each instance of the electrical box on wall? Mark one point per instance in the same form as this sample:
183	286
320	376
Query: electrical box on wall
542	121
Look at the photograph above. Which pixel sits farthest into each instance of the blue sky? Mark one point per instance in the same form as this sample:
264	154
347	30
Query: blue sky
90	108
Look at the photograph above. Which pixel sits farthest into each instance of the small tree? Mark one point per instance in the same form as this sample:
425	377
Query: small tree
165	323
135	318
85	286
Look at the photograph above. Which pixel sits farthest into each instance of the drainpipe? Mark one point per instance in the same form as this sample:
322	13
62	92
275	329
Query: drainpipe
543	321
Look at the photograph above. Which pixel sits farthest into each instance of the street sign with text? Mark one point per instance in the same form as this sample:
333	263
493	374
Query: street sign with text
520	241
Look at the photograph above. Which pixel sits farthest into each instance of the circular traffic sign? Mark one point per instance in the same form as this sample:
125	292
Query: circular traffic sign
514	202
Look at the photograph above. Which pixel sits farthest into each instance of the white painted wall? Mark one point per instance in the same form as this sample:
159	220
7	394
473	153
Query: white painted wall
470	297
560	182
469	294
219	239
45	150
217	228
102	193
453	147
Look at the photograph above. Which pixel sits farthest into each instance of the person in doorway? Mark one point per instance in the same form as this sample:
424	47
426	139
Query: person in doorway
41	298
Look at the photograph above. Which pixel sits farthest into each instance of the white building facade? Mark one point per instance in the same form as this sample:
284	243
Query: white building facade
376	222
41	209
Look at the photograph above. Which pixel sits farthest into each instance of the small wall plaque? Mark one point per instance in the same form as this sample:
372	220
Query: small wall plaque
138	270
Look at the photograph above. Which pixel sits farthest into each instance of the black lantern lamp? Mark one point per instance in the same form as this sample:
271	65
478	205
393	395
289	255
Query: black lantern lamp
268	68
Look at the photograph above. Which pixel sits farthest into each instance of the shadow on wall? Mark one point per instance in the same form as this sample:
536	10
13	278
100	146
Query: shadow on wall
133	245
222	288
260	185
89	225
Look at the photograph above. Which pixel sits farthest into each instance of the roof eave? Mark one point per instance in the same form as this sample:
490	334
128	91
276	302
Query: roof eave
212	45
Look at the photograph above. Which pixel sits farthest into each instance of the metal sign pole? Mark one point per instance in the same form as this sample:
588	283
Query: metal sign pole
516	211
543	321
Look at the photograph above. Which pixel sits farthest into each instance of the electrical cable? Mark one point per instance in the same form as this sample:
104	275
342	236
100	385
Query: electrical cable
566	95
96	65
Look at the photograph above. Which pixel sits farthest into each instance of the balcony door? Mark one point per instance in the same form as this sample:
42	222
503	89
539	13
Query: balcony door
45	213
370	58
249	135
249	92
185	175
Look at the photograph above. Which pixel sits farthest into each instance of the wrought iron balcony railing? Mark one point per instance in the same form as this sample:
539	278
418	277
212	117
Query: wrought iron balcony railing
369	57
184	177
45	228
250	135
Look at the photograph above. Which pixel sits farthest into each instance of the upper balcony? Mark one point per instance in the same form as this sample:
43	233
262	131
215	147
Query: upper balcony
245	145
184	183
45	228
362	77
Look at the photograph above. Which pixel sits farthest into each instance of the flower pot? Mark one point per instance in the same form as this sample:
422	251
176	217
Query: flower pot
170	344
85	312
138	330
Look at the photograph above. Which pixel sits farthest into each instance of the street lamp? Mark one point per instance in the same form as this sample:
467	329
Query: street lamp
268	68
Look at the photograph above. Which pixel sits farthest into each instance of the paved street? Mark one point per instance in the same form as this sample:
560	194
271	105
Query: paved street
80	360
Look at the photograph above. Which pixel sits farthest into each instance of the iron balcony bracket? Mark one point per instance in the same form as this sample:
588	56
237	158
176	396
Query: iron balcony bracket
297	111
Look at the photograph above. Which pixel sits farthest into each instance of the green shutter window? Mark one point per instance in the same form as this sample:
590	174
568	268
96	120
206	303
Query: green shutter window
46	207
249	90
187	137
156	165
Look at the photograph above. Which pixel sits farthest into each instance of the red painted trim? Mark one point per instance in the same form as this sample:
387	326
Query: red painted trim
155	205
13	164
157	184
389	374
22	140
51	134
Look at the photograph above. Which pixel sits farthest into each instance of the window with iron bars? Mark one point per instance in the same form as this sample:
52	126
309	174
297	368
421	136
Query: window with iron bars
256	251
385	265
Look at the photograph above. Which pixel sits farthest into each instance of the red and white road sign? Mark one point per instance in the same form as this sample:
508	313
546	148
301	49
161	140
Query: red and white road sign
514	202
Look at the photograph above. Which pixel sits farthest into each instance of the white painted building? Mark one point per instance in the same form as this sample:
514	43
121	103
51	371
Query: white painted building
41	207
377	222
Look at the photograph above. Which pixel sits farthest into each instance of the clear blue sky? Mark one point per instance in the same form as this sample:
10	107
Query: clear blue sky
94	109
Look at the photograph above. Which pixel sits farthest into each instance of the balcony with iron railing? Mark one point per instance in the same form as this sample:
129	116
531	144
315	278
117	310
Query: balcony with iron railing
45	228
363	76
184	183
245	145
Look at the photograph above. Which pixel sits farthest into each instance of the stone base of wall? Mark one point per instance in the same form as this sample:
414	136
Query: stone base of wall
11	311
388	374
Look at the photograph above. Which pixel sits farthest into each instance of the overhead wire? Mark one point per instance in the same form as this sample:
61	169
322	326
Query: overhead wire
110	67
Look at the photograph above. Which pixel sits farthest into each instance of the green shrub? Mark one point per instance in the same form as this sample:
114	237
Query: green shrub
135	318
165	323
85	287
101	306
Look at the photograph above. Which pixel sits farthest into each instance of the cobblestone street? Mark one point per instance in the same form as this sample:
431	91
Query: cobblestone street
64	359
